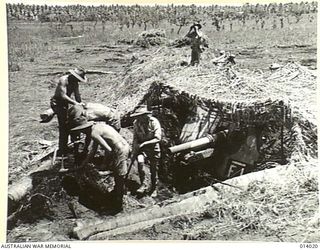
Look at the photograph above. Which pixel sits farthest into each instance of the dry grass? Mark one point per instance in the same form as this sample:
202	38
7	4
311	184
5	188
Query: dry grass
283	203
290	83
279	205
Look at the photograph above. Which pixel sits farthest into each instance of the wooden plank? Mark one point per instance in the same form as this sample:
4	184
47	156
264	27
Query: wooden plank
148	216
127	229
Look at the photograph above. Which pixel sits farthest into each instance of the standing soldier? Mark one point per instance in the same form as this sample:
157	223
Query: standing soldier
67	85
257	19
262	23
230	24
215	23
146	147
197	40
103	24
281	22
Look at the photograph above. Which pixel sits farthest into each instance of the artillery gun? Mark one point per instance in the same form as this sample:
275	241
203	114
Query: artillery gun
196	150
205	140
215	157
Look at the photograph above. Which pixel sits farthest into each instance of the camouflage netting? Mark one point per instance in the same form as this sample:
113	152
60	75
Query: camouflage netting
291	86
282	137
291	83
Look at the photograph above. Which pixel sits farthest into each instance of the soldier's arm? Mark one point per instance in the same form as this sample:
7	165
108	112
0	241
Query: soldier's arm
61	91
77	95
135	144
87	142
90	155
156	134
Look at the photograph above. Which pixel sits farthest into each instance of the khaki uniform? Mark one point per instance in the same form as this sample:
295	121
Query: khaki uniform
145	131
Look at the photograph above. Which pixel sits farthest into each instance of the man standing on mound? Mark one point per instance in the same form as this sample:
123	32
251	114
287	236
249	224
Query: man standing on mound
146	138
67	85
197	41
111	141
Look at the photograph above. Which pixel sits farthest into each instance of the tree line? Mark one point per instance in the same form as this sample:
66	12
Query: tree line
145	16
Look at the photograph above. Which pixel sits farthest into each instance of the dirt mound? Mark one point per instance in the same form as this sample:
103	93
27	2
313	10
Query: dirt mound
214	84
297	82
220	83
151	38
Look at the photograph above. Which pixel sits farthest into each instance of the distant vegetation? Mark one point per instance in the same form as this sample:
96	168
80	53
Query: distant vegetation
221	17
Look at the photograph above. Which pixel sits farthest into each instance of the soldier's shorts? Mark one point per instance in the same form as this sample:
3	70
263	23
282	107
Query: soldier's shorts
122	154
149	156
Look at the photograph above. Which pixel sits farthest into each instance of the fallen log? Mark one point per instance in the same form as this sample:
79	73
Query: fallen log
146	217
51	73
303	45
127	229
17	191
285	46
89	71
70	37
44	166
92	71
193	202
44	156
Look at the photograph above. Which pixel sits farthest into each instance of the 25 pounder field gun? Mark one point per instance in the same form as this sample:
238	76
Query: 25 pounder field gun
223	155
198	149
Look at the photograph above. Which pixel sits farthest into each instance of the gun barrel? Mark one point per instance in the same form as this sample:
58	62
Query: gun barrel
192	145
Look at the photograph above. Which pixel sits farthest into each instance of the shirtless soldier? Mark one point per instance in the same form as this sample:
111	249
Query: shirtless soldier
93	112
111	141
67	85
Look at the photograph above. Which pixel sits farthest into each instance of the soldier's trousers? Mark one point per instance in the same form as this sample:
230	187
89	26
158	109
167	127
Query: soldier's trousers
63	128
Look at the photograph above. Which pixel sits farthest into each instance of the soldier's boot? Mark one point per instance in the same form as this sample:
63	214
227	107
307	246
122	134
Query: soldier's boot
119	190
142	174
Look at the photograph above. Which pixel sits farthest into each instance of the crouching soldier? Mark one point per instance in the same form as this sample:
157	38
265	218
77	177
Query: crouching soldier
96	112
111	141
146	138
92	112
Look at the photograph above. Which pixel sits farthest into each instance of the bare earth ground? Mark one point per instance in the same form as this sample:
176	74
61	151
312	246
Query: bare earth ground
31	87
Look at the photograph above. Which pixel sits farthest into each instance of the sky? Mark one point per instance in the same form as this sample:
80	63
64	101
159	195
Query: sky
149	2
